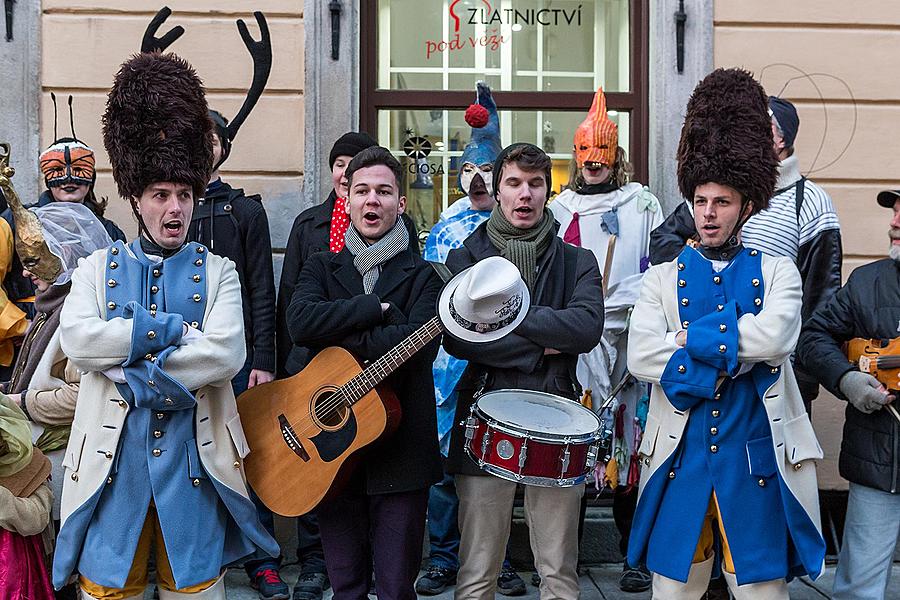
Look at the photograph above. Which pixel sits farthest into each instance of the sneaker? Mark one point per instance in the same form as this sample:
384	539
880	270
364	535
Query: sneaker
509	583
435	580
310	586
635	579
270	586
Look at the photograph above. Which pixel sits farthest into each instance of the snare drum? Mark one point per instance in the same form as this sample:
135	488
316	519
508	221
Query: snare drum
534	438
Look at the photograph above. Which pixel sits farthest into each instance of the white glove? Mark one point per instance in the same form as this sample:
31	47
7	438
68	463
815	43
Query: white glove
115	374
864	392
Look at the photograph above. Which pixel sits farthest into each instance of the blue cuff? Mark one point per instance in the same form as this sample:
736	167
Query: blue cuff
151	334
713	339
686	381
155	389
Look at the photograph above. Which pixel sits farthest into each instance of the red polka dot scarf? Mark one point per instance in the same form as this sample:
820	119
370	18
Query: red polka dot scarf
340	221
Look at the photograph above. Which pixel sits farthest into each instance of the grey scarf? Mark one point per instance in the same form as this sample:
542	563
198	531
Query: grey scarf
521	247
368	259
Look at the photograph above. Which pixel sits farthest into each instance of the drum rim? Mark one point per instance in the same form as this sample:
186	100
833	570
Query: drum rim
535	480
541	436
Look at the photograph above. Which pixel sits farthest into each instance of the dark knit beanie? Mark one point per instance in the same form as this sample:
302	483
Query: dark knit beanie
788	120
350	144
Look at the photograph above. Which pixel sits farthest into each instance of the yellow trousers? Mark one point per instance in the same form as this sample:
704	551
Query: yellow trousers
705	543
151	536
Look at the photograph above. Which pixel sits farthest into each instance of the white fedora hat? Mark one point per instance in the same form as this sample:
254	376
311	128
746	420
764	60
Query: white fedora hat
484	302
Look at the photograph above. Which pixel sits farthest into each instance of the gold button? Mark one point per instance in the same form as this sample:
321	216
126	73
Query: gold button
151	334
720	307
753	253
152	313
157	452
196	482
237	464
168	401
681	369
713	448
113	265
646	461
199	249
114	251
199	262
148	356
723	348
152	307
111	305
681	266
718	396
761	482
74	476
685	324
717	280
755	282
195	324
197	297
196	278
685	301
723	328
671	474
715	412
714	431
682	283
151	383
757	302
774	370
111	283
157	434
109	480
154	289
122	403
156	272
108	454
160	416
798	466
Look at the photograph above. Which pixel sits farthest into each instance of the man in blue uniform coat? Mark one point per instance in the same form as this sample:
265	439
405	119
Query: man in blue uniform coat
729	475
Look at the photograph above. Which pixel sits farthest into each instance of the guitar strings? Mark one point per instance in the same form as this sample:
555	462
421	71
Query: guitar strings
340	397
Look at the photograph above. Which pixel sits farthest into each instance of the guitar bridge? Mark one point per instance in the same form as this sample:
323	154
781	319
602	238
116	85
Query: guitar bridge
291	439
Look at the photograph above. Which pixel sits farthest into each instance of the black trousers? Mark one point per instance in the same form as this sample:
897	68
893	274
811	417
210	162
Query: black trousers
355	527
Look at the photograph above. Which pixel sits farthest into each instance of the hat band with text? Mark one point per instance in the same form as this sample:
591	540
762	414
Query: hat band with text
507	313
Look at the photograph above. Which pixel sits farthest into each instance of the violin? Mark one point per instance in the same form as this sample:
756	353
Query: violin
878	358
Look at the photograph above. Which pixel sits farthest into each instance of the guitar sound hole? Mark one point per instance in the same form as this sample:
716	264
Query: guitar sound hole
329	412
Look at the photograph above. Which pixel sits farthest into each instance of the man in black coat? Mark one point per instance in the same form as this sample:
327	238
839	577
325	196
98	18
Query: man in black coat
234	225
565	319
368	298
868	306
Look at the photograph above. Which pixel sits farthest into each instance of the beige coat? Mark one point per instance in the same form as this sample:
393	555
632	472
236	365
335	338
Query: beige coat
206	365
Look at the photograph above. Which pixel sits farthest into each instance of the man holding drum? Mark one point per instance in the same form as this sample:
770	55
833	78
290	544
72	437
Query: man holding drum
564	320
729	477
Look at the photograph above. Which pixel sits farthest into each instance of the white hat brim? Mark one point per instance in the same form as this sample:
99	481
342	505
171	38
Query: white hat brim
456	330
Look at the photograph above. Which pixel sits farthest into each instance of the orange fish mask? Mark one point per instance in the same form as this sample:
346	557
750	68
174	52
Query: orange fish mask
597	138
68	162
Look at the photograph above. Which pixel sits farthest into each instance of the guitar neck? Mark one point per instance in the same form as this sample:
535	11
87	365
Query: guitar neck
379	370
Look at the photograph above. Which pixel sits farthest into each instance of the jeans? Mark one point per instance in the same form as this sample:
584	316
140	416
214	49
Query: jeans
443	526
870	536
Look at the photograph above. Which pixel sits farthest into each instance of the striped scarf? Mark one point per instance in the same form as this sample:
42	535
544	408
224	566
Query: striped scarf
368	259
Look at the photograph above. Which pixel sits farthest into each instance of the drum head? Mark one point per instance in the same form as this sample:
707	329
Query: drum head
539	413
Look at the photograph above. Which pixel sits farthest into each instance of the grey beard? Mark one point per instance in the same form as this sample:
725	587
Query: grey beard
894	253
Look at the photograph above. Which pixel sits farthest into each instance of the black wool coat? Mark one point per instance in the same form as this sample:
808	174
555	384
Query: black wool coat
309	235
566	314
868	306
329	308
235	226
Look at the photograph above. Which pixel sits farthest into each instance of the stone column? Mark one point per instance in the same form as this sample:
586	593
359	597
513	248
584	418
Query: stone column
20	98
670	90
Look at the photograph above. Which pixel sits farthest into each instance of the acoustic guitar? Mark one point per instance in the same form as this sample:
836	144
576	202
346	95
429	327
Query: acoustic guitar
305	431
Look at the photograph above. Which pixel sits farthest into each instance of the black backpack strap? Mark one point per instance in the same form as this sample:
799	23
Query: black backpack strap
800	187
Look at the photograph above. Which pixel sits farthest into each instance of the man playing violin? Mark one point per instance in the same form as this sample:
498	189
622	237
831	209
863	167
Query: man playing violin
868	306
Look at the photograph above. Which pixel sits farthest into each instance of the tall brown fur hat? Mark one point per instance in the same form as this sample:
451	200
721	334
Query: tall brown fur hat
156	126
727	138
